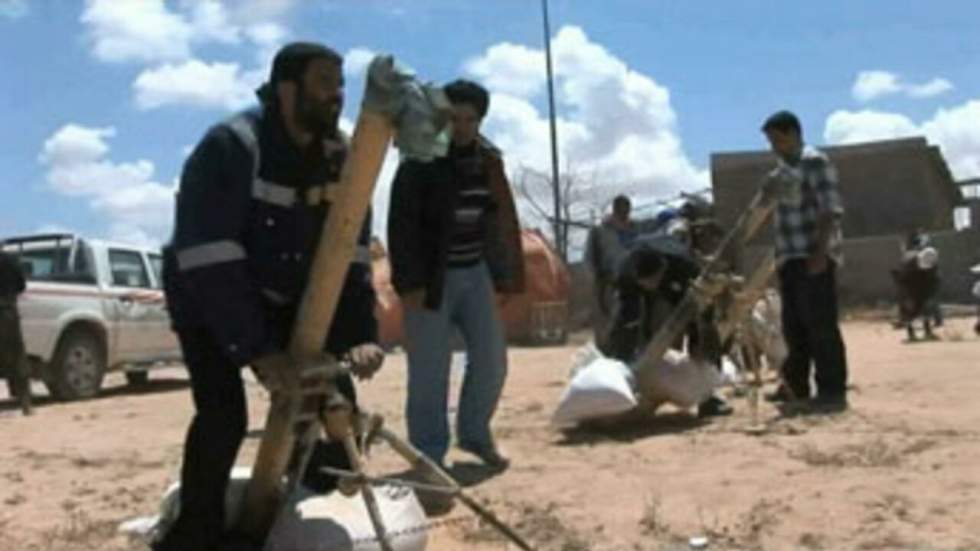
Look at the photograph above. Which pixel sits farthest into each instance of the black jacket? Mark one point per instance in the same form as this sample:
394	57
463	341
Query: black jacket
682	268
11	277
242	245
420	220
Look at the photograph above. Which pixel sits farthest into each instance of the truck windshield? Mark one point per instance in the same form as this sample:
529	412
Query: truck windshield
53	259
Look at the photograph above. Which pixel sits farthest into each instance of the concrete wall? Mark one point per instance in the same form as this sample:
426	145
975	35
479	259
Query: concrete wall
887	187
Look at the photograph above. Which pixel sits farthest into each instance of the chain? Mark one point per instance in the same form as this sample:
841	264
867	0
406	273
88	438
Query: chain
414	530
404	485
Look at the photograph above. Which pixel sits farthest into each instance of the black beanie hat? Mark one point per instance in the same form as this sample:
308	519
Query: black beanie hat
290	64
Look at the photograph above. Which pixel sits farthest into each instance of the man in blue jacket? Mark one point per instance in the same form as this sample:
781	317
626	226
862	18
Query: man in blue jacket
253	198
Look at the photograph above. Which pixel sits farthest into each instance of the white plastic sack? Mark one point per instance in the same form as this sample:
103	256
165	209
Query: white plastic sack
766	330
599	387
678	380
310	522
976	289
170	506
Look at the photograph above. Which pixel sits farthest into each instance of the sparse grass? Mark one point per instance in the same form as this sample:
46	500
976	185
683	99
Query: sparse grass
761	516
886	541
81	533
652	523
539	524
811	541
874	454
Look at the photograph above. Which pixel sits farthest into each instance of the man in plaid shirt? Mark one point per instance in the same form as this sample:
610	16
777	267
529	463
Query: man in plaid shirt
808	239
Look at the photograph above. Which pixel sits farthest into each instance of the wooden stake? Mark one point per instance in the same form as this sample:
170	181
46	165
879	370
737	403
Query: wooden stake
696	300
327	275
418	459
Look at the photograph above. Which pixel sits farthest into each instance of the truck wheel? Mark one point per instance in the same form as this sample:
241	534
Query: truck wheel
78	366
137	379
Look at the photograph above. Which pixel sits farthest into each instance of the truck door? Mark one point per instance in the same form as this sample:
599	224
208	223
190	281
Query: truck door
129	287
164	338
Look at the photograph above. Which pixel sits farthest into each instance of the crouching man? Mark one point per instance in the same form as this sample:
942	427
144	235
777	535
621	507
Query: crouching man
651	279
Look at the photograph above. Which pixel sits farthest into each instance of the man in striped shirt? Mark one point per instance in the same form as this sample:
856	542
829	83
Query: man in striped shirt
454	241
808	239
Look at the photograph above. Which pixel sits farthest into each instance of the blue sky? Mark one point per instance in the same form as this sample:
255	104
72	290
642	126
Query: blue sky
101	99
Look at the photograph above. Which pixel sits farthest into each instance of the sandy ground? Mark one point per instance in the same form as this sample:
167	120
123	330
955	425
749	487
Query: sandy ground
901	470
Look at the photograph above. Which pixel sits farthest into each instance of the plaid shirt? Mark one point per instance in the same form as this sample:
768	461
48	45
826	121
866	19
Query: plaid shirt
806	190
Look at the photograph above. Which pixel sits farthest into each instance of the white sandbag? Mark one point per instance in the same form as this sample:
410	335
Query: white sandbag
599	388
766	330
678	380
312	522
170	503
729	372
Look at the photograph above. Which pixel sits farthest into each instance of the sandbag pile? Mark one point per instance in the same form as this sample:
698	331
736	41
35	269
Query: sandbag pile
601	387
309	522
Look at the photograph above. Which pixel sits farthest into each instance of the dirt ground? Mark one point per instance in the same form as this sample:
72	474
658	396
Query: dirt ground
901	470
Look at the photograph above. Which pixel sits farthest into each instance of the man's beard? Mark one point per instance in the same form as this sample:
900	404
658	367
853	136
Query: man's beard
318	117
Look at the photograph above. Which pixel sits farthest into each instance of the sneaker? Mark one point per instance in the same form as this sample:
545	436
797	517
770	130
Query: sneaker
488	453
714	407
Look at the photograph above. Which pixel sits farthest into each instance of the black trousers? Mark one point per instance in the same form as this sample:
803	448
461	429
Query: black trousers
635	324
812	331
215	435
13	356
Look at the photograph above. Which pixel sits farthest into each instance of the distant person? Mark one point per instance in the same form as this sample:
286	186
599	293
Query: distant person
808	255
917	278
13	357
605	244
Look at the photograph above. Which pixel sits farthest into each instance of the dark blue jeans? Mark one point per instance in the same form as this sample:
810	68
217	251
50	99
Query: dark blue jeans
812	331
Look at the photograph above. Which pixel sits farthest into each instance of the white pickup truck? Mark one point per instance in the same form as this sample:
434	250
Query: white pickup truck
90	307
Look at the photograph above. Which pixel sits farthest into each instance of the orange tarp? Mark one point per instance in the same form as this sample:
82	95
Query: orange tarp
547	282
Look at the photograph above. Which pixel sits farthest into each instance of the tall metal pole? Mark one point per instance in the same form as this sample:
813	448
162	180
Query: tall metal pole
559	229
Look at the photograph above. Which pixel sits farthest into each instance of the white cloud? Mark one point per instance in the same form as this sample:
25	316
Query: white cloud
870	85
356	61
136	30
151	31
196	83
618	124
932	88
873	84
268	37
511	69
846	127
13	9
382	195
210	22
77	163
956	131
247	12
162	36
